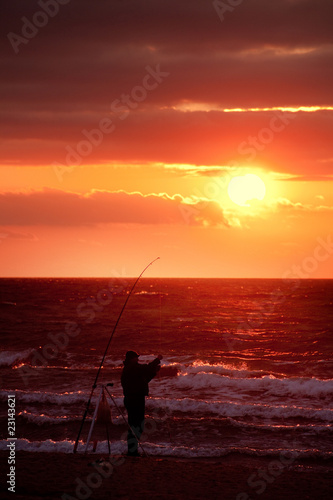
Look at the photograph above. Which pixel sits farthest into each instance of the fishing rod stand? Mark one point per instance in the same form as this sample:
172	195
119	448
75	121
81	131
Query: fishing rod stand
102	386
103	389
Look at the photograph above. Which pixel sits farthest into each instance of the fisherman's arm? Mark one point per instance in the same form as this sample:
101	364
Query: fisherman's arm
154	367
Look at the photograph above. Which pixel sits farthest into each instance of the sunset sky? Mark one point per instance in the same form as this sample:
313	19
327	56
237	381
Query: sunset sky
123	122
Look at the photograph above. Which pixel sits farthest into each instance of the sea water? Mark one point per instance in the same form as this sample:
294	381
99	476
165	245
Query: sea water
247	364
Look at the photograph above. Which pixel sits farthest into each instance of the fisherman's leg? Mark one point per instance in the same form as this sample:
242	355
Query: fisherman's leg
140	414
135	410
138	422
134	434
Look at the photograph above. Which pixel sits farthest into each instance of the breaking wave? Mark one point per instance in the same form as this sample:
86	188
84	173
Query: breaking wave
10	358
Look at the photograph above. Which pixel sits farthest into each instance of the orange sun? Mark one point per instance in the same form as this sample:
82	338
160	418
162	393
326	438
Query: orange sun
244	188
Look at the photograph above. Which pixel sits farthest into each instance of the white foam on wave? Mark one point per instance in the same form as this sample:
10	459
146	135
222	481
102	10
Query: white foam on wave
202	408
46	419
203	377
219	406
8	358
117	419
44	446
66	398
229	369
43	419
271	427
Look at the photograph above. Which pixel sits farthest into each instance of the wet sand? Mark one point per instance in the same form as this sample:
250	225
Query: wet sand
237	477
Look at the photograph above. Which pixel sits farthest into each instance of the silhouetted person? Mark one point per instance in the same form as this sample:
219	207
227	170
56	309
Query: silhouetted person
134	379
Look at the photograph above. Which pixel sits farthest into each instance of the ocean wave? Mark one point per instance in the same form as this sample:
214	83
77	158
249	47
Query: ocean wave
204	408
67	398
165	449
74	367
185	405
51	401
40	446
217	377
53	418
280	428
43	419
228	369
9	358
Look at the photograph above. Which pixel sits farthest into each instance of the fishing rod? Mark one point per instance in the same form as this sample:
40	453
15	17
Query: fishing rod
105	352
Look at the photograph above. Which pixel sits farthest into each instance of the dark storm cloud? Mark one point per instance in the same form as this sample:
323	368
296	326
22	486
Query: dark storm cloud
231	80
173	25
87	54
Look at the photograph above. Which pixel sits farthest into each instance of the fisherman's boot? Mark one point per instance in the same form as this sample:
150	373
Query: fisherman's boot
132	444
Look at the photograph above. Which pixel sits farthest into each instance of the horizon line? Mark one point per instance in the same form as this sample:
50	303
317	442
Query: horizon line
164	277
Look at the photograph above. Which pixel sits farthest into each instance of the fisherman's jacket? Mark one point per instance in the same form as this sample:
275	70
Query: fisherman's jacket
135	377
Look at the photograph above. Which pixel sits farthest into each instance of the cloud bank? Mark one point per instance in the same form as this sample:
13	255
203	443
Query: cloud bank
59	208
70	71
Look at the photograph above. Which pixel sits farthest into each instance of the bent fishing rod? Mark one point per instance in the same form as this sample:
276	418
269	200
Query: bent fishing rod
105	352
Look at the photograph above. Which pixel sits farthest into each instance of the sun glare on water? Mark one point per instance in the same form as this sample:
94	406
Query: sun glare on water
244	188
